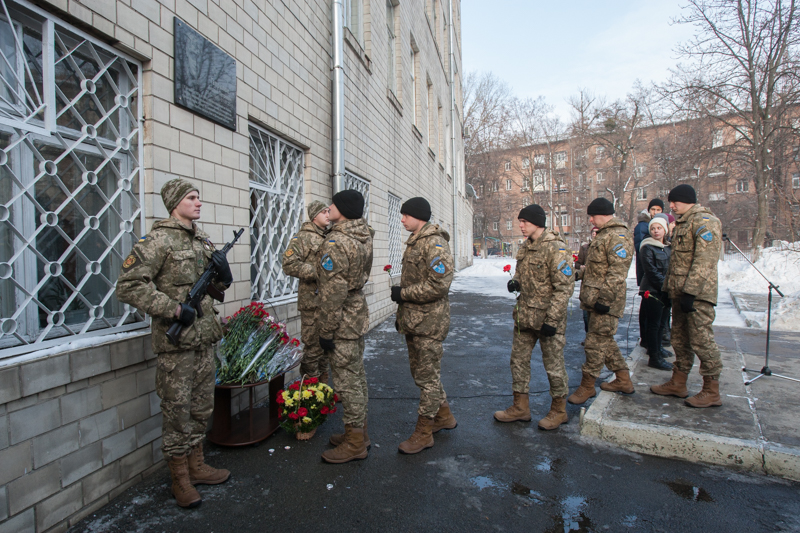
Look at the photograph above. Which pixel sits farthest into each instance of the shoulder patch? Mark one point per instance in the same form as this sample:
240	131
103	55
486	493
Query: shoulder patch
294	238
143	238
332	241
130	261
707	236
565	268
621	235
620	250
438	245
326	262
289	252
438	266
562	249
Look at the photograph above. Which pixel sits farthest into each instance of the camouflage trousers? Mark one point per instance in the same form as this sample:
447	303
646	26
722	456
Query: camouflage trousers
314	361
185	384
601	348
692	334
350	379
425	360
552	358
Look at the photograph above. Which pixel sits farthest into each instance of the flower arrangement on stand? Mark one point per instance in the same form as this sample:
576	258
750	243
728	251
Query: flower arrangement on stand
304	405
254	347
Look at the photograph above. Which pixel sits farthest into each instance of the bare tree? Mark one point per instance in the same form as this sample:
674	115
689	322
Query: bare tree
741	73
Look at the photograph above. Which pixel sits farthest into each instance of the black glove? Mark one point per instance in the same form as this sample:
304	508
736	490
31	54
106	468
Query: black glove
327	344
547	330
601	309
222	267
687	303
513	286
396	294
187	316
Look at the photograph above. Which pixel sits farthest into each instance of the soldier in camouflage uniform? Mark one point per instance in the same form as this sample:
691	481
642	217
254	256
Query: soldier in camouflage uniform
691	282
342	270
156	278
300	261
603	292
423	316
544	280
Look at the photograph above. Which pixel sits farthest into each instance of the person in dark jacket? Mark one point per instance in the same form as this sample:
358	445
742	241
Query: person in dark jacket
641	232
654	255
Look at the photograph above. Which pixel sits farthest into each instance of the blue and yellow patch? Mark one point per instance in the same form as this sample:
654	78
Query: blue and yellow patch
437	265
620	250
326	262
565	268
439	246
332	241
143	238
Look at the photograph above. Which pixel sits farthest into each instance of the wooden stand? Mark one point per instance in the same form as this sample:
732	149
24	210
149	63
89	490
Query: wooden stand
248	427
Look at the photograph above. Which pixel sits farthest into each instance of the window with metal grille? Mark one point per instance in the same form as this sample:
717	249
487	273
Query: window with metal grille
395	236
276	212
70	198
351	181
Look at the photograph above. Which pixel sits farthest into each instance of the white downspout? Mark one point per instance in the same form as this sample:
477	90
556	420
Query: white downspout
337	98
451	29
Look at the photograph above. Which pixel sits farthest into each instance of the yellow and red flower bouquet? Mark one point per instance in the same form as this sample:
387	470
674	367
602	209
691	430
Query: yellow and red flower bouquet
304	405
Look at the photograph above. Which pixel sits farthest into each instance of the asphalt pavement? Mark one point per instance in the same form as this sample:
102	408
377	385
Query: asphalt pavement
481	476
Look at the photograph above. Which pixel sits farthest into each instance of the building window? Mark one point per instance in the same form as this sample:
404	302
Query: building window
526	163
742	186
599	152
395	240
415	108
641	193
539	160
640	171
795	181
351	181
69	182
716	196
440	132
276	212
526	201
561	159
507	165
480	188
494	226
354	18
508	224
391	65
717	139
494	186
509	184
599	177
564	219
526	184
432	141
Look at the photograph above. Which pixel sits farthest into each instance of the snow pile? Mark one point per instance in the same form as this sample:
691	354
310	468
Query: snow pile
486	277
781	265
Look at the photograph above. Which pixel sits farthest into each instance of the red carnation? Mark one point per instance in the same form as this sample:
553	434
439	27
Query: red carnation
302	411
280	399
647	294
313	380
294	416
574	257
333	410
387	268
324	410
335	399
507	268
295	386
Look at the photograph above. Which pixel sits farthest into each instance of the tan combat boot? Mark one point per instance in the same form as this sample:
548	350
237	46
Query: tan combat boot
708	396
676	386
351	448
556	416
584	391
444	418
185	494
621	384
202	474
338	438
519	410
421	438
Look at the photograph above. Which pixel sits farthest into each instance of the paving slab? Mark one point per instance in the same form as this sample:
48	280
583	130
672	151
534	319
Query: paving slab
756	428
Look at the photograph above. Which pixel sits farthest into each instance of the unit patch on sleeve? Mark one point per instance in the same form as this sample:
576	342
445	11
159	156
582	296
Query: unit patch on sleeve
289	253
130	261
620	250
326	262
438	266
565	268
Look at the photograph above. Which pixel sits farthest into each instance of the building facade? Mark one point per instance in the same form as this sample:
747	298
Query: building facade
104	101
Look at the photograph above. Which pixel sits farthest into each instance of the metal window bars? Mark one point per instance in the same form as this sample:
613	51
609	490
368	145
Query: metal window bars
70	198
276	212
395	238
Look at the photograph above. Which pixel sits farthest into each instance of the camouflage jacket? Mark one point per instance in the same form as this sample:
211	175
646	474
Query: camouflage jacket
608	260
545	274
300	261
157	276
426	277
696	246
342	270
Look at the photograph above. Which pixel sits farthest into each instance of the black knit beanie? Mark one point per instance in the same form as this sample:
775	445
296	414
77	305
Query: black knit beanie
656	201
418	208
350	203
534	214
683	193
600	206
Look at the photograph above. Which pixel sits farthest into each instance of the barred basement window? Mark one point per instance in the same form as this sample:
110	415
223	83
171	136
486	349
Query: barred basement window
276	212
70	197
395	239
351	181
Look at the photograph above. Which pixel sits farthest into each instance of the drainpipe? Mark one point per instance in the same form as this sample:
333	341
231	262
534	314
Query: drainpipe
337	98
451	29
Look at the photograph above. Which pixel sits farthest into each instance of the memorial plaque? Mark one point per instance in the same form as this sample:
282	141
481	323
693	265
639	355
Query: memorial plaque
205	77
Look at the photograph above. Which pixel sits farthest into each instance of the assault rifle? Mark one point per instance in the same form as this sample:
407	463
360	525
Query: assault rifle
202	287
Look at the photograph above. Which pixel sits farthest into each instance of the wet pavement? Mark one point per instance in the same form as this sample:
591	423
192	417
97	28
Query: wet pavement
481	476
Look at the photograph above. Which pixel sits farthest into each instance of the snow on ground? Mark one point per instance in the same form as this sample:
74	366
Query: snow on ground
781	265
486	277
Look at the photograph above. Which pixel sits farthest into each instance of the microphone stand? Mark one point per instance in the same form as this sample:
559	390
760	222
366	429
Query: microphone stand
765	371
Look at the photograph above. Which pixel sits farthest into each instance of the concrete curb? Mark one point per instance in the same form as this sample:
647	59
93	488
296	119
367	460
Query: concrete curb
755	455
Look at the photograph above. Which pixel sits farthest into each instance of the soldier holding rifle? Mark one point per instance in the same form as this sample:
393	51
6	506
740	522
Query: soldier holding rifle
156	278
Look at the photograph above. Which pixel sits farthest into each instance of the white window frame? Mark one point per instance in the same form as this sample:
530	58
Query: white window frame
641	193
599	176
507	166
354	19
526	162
718	138
494	186
796	180
743	186
509	184
391	47
561	159
509	225
494	226
564	219
415	107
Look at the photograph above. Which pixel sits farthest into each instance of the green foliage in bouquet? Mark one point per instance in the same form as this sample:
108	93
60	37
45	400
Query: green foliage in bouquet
305	404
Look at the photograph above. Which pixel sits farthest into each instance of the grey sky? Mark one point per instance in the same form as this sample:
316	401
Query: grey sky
551	49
